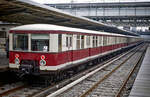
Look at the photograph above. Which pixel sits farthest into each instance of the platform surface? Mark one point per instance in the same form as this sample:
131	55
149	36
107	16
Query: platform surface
141	86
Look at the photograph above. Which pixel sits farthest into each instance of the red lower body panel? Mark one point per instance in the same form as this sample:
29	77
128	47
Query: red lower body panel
55	59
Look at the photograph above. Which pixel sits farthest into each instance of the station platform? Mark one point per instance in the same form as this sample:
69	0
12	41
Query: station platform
4	61
141	86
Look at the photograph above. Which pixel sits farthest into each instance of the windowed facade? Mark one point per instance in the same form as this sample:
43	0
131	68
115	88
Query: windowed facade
61	42
2	34
40	42
20	42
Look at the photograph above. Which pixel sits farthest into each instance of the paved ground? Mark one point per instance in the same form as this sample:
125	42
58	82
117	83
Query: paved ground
141	87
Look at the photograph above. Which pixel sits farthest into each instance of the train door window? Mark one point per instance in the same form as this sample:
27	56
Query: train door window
59	42
104	40
88	41
69	41
108	40
82	42
117	40
93	41
78	42
113	40
70	44
96	41
40	42
100	40
20	41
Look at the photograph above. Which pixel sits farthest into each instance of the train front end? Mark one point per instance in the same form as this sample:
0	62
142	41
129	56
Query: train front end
28	53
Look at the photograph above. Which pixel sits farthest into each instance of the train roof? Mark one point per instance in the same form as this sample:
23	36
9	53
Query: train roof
48	27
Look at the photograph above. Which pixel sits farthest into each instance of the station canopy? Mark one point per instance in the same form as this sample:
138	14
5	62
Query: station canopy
29	12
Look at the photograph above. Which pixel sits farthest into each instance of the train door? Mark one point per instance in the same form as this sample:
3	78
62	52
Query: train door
69	46
100	43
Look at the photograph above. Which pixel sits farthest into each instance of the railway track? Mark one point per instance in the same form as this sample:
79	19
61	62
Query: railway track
111	77
29	91
8	88
112	83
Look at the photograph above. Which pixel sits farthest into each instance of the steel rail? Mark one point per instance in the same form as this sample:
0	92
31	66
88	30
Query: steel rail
12	90
106	76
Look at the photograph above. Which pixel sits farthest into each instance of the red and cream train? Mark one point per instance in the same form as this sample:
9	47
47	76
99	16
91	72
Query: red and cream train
44	48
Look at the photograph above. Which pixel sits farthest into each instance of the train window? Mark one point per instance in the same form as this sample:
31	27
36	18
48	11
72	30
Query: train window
82	42
69	41
100	40
88	41
78	42
109	40
59	42
70	44
105	40
93	41
96	41
113	40
20	41
40	42
116	40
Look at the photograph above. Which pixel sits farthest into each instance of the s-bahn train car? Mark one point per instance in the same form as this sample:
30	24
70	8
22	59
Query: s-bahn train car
45	49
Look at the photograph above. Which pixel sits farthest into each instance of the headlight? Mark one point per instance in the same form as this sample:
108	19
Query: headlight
42	62
17	61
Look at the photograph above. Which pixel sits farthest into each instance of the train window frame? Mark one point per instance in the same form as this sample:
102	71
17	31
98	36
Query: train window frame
40	40
14	43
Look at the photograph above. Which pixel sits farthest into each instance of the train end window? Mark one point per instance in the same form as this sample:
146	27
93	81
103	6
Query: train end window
40	42
20	42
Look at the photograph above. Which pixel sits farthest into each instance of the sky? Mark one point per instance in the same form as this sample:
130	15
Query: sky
84	1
